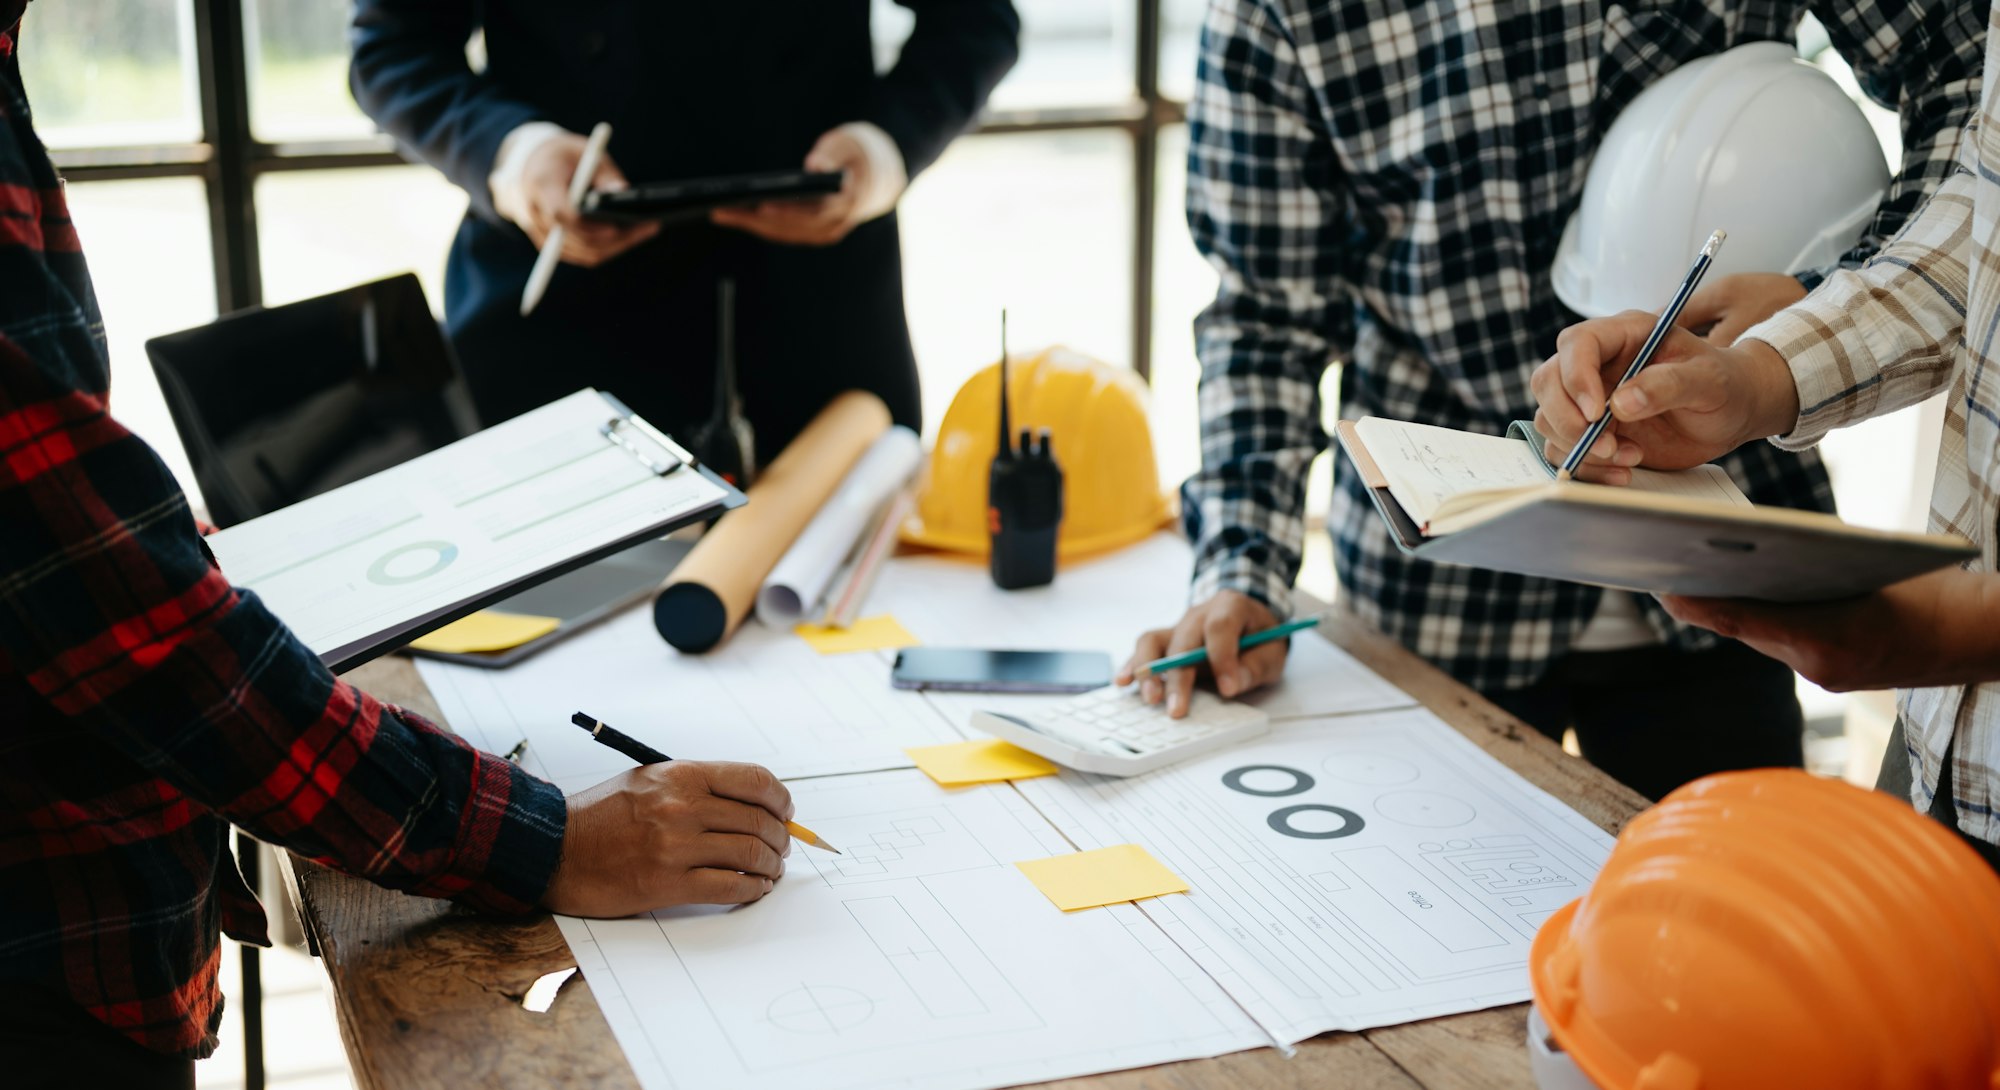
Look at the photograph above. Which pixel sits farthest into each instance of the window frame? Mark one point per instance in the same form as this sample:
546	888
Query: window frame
229	158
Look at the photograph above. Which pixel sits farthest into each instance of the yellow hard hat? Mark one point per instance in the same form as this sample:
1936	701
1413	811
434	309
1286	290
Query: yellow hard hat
1771	929
1097	415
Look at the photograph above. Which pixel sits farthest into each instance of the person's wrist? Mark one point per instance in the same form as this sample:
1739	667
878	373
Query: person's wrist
506	184
1774	394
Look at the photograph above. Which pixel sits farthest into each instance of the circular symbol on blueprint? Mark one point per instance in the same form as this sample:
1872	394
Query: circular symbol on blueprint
1267	781
819	1008
1425	809
1315	822
409	563
1370	769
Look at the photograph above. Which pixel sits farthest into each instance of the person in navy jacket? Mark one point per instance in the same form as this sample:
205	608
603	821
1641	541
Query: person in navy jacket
691	90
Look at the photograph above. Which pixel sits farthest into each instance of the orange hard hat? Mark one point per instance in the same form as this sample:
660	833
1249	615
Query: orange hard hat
1773	929
1097	416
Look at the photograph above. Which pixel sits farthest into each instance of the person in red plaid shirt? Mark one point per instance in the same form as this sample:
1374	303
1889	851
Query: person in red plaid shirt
146	705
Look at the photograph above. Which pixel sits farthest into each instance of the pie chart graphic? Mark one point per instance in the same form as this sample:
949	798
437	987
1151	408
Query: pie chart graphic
417	561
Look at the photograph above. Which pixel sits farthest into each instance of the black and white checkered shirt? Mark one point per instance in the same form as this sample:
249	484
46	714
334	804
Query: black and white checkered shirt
1383	183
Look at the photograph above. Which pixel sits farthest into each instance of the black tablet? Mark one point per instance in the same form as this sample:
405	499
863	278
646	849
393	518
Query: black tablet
692	197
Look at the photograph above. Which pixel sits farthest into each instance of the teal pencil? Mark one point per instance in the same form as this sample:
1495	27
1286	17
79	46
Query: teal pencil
1200	654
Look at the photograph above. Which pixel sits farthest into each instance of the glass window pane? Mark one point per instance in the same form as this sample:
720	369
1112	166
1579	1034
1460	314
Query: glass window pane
1180	42
104	73
1038	223
148	247
323	230
298	71
1073	52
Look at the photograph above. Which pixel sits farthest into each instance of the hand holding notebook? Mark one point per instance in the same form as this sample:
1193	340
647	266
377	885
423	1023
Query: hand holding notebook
1493	502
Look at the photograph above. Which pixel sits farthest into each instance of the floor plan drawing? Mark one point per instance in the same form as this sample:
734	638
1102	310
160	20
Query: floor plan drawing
838	714
1346	872
925	959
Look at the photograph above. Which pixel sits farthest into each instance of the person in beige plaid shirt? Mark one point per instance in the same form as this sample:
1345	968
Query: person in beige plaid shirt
1920	317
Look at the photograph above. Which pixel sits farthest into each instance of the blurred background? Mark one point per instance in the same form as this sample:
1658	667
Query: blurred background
217	161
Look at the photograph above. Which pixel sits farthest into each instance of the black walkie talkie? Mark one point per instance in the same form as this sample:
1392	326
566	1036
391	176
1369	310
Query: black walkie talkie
725	442
1024	498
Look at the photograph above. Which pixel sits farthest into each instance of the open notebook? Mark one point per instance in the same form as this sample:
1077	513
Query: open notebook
1493	502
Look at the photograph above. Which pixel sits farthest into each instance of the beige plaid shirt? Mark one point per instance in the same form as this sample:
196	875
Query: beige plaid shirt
1924	314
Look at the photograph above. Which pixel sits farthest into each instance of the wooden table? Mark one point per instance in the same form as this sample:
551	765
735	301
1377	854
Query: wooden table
429	994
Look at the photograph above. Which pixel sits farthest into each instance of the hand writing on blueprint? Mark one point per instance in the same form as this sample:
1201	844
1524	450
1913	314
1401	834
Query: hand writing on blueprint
686	832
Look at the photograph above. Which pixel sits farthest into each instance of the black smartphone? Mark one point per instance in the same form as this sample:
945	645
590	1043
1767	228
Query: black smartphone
971	670
685	199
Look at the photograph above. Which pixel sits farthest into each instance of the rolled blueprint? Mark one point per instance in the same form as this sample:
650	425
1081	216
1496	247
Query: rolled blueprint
712	590
798	584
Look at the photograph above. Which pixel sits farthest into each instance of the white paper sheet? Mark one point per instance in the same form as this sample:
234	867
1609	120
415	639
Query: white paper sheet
1099	605
799	581
922	957
369	558
1408	887
764	697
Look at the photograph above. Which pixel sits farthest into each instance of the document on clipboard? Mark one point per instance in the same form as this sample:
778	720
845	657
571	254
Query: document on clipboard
365	568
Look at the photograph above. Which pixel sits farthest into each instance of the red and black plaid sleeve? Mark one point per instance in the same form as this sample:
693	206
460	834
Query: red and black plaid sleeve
145	703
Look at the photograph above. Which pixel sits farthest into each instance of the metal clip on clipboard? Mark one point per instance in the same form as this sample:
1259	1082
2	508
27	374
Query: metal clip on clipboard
636	436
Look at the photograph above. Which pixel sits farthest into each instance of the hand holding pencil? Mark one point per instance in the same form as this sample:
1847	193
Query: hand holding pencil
558	173
1217	628
672	833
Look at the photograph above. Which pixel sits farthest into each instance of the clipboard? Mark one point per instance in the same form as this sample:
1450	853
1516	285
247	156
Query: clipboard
1613	537
363	569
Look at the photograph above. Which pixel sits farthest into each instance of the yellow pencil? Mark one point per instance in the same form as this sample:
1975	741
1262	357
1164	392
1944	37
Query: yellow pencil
810	838
647	755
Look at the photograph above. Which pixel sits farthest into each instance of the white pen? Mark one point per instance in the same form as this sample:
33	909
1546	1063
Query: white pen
579	184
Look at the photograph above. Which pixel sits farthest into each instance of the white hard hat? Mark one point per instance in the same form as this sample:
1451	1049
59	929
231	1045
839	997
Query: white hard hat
1754	141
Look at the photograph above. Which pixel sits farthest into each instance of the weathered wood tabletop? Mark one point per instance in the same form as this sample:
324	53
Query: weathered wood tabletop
429	995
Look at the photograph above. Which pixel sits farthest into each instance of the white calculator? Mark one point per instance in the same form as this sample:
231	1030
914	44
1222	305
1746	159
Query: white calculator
1113	732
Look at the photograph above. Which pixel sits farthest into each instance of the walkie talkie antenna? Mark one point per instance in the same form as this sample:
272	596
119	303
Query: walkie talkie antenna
1006	417
725	351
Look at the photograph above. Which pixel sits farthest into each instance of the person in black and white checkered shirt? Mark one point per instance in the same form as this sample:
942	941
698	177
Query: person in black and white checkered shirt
1382	184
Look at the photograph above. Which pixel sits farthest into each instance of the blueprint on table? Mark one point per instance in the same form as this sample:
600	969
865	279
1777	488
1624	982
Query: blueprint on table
1347	872
919	957
764	697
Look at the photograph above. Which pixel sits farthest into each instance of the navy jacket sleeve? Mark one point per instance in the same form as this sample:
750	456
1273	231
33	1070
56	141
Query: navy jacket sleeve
410	74
953	59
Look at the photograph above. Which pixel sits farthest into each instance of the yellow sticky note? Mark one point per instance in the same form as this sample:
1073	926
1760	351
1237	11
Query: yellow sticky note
486	630
981	761
868	634
1107	876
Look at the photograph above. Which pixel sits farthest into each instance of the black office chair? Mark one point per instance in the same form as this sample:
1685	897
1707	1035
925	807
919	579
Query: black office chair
276	404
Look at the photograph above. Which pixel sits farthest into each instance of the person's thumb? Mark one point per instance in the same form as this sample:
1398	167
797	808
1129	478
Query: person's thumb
609	177
1654	391
826	154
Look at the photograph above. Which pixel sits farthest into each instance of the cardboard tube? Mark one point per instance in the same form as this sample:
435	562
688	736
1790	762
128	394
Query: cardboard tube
711	592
